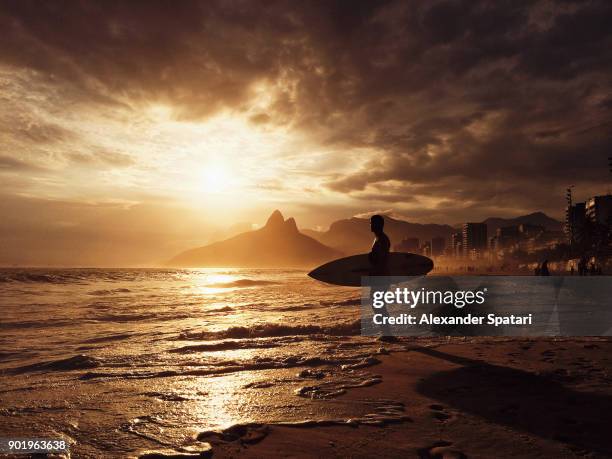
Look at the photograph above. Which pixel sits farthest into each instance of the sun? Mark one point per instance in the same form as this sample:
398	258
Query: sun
215	178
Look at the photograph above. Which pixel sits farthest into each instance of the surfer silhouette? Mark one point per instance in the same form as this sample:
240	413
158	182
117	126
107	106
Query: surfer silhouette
381	247
378	257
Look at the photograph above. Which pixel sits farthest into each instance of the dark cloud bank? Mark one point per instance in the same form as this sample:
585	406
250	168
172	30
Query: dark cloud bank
486	107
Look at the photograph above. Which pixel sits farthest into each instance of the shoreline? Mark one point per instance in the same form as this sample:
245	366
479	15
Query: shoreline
491	398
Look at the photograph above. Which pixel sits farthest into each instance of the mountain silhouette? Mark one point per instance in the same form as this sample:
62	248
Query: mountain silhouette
278	244
353	235
536	218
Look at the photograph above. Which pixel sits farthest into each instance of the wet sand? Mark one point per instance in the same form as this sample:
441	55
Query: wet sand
502	399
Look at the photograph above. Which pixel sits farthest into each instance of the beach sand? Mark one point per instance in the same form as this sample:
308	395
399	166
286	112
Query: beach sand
491	399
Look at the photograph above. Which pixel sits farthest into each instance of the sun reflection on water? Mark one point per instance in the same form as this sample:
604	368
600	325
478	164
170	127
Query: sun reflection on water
210	281
226	402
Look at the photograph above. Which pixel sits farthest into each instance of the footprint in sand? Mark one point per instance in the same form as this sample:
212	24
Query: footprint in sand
441	450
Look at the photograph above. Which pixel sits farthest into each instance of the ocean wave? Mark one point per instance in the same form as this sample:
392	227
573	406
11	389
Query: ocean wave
77	362
225	346
103	339
135	317
257	364
120	318
7	355
84	275
244	283
275	329
34	277
109	292
43	323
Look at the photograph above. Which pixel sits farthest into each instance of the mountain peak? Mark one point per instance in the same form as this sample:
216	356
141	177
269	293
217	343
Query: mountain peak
278	244
290	225
275	220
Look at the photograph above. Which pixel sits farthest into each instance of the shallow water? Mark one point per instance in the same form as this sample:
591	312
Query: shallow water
118	361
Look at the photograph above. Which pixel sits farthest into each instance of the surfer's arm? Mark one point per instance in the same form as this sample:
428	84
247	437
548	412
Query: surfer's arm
376	256
379	252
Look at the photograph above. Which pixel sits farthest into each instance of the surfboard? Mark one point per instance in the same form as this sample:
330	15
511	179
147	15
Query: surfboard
348	271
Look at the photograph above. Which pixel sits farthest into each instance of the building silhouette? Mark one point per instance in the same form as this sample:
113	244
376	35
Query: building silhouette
437	246
598	209
408	244
456	244
575	217
474	239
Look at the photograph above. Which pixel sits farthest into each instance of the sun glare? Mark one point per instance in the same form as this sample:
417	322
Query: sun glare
215	178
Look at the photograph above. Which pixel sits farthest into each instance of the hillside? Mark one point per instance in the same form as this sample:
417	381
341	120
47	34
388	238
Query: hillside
353	235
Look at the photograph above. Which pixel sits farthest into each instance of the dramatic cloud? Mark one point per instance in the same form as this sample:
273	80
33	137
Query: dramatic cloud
439	110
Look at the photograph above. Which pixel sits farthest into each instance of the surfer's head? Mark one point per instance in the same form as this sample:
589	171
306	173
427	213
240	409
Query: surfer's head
377	222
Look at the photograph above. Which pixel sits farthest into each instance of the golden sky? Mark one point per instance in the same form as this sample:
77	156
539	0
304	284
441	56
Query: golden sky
132	130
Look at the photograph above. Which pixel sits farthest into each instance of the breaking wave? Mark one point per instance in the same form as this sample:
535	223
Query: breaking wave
77	362
265	363
229	345
275	329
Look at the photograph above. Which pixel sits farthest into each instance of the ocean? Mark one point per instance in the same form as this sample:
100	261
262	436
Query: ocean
116	361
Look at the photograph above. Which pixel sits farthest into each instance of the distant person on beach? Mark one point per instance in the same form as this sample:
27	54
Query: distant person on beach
544	269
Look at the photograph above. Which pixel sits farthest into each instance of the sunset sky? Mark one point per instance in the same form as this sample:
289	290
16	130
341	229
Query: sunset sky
132	130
